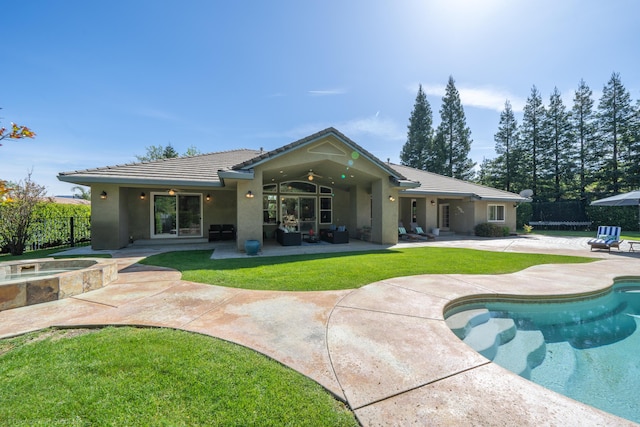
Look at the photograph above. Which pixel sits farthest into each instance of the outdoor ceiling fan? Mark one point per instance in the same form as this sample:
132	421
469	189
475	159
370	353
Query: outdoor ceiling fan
311	175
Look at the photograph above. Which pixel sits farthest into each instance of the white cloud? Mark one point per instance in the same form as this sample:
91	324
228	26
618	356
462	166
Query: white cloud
479	97
328	92
375	125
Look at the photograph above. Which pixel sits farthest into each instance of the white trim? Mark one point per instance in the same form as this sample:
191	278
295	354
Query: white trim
504	213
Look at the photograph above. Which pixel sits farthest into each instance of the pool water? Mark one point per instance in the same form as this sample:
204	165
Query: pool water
586	349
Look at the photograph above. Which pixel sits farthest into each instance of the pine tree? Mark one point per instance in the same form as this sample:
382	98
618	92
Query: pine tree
420	134
560	158
453	137
615	114
582	120
506	144
532	141
633	169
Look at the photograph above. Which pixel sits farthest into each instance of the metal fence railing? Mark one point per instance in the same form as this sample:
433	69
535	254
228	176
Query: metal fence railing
60	232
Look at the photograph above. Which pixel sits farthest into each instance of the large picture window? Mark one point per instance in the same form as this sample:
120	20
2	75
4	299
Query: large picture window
302	205
178	215
495	213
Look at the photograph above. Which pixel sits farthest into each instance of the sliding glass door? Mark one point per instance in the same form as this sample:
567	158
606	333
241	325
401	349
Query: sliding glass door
178	215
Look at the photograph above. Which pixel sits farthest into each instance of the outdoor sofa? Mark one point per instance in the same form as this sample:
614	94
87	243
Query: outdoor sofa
222	232
288	238
335	235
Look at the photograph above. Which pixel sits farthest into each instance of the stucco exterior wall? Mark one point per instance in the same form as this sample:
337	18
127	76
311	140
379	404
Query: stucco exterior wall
249	211
462	216
481	214
341	212
139	214
221	209
385	213
360	203
106	218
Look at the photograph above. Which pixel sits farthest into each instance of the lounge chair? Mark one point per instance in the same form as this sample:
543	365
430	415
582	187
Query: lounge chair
608	237
420	232
403	235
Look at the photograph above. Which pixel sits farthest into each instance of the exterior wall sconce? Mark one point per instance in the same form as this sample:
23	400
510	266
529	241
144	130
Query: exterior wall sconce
172	192
433	202
142	196
392	199
208	197
249	195
103	195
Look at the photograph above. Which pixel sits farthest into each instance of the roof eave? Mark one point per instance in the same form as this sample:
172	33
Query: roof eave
89	180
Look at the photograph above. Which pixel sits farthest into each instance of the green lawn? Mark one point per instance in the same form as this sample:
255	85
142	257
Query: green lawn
345	270
163	377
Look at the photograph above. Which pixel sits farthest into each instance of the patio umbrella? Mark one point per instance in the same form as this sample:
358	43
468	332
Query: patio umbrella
631	198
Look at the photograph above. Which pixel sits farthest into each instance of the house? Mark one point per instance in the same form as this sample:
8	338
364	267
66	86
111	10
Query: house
319	182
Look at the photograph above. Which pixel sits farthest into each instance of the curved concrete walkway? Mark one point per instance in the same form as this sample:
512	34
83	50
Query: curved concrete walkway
383	348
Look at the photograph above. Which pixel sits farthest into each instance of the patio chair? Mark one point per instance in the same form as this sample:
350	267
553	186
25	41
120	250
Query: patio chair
608	237
415	228
403	235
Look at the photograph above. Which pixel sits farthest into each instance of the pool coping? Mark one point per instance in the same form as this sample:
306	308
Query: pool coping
443	381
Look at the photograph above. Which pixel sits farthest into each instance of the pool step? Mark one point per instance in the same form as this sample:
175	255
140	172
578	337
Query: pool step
461	323
487	337
523	353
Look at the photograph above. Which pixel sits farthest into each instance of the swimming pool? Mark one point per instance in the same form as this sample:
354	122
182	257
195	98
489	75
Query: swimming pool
585	348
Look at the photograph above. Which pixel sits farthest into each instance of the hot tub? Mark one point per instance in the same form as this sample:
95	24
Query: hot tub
42	280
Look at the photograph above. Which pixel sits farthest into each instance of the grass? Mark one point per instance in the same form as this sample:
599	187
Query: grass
136	377
349	270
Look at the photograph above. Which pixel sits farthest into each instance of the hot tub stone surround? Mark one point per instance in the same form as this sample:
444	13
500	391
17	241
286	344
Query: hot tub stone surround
92	274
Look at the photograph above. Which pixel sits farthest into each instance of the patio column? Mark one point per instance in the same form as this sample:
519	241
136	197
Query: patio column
249	214
109	217
360	207
384	228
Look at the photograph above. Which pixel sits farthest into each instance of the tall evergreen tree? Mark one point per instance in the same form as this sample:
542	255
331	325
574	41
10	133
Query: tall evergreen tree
633	170
420	134
560	158
506	144
532	140
615	114
453	137
582	120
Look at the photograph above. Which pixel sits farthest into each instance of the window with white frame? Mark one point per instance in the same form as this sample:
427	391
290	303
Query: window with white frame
495	213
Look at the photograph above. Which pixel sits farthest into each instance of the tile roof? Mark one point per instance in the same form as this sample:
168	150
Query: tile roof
200	170
204	171
311	138
439	185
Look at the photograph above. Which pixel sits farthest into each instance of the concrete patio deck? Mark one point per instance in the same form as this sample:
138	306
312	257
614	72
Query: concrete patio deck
383	348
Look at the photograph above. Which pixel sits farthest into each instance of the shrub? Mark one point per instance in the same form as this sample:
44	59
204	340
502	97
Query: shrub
491	230
524	214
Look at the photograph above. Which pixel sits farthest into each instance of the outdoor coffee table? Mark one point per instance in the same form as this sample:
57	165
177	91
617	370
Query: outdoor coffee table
631	243
314	239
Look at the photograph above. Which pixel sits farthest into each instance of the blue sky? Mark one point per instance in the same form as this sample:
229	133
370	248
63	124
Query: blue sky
99	81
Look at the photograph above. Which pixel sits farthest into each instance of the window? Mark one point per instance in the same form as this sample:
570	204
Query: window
269	208
496	213
325	210
178	215
298	187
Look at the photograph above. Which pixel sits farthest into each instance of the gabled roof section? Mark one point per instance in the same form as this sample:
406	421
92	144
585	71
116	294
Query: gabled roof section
396	177
195	171
439	185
